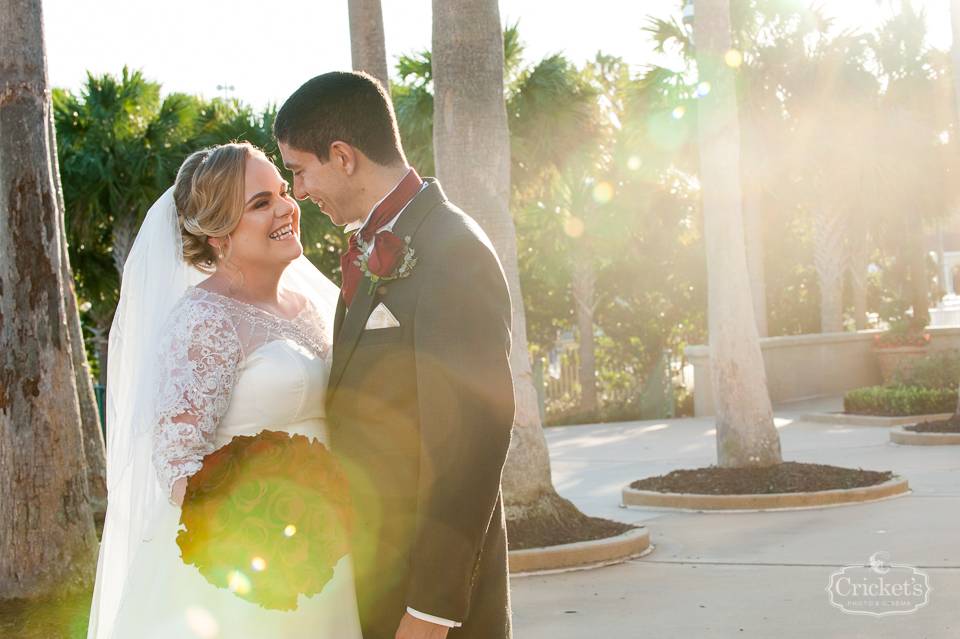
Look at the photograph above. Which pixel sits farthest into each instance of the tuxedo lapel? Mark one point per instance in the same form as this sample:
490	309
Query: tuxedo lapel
339	317
349	326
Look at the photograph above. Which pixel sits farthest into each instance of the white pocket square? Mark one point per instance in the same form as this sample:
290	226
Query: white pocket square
381	317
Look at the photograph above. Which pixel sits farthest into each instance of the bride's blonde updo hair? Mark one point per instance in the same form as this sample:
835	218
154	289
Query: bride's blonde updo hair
209	197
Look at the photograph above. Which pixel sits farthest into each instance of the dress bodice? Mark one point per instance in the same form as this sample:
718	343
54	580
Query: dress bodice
227	368
278	388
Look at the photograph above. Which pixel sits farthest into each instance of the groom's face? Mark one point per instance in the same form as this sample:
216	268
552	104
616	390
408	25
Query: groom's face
325	183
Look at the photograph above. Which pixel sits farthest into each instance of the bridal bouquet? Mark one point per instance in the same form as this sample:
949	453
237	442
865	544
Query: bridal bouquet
267	517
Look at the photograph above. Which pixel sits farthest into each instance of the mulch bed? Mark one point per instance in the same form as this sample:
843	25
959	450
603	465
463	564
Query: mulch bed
55	618
788	477
951	425
539	533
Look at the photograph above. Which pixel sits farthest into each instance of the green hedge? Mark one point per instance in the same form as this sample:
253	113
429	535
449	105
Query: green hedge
896	400
940	369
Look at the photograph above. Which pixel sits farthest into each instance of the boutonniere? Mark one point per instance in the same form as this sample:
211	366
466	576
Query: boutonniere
390	259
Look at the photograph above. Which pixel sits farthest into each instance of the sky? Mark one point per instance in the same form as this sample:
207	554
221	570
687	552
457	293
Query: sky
266	49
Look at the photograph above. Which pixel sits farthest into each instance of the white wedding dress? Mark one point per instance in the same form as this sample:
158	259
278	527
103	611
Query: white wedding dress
228	369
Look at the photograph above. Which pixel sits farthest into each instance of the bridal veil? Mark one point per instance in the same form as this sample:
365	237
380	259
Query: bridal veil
155	277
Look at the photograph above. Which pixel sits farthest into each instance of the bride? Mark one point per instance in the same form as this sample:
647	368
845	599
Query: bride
223	329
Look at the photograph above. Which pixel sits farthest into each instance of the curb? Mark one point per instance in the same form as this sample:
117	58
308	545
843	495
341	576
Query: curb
870	420
909	438
777	501
582	553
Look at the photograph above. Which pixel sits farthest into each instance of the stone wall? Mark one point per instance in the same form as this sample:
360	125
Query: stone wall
806	366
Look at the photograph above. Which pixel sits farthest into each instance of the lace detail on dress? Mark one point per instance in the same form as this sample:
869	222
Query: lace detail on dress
202	350
199	357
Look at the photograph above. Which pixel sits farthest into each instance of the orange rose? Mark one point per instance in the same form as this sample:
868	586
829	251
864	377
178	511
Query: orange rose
248	493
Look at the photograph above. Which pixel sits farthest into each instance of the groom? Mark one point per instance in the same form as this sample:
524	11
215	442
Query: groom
420	401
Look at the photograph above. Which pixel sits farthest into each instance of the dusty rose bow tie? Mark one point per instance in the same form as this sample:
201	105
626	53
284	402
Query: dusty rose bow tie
387	210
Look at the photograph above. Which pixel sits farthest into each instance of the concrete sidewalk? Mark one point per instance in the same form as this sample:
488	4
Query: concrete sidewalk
746	574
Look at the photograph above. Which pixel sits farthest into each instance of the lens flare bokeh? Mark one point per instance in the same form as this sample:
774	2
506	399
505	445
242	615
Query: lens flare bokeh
239	582
602	192
573	227
202	623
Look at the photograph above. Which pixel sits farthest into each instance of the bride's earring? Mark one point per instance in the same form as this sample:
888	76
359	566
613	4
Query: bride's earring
221	252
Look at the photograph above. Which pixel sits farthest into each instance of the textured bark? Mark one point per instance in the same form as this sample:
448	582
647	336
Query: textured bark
472	152
753	221
101	337
124	233
919	286
367	45
746	435
584	289
859	263
829	260
955	53
47	539
93	446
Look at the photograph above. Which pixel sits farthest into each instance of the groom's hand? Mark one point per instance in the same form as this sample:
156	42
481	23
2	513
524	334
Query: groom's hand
413	628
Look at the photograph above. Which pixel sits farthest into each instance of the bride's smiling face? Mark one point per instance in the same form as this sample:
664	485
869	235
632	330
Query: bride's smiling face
269	230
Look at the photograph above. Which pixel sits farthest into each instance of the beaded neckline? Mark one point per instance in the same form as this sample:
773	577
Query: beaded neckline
257	309
307	328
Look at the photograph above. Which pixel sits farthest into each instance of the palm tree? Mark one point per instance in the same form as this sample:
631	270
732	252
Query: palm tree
916	115
119	149
746	435
955	54
472	154
93	444
556	150
369	52
47	534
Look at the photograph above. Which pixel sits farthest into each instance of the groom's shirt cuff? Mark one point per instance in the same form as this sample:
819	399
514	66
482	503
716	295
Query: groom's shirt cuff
422	616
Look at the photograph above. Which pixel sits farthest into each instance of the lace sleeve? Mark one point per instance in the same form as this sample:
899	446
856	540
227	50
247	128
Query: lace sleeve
199	357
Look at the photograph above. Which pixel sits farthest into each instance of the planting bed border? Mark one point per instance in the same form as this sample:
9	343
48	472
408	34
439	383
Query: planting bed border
870	420
581	554
909	438
776	501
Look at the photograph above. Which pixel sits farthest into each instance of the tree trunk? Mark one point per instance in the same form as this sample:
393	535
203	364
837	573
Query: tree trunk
829	259
753	221
93	446
47	540
859	263
746	435
101	338
472	154
919	283
124	233
955	49
367	46
955	54
584	289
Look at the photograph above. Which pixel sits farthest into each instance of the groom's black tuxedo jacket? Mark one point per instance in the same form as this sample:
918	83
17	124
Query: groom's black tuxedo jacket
420	416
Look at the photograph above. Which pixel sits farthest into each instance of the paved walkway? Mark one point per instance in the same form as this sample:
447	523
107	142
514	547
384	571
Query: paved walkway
746	574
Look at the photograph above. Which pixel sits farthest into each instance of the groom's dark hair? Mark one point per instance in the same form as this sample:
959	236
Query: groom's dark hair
351	107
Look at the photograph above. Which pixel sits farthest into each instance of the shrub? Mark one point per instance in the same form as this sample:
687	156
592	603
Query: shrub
626	411
897	400
938	370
